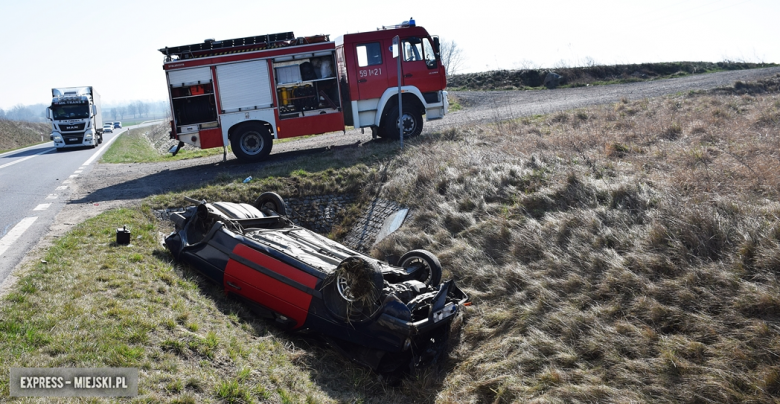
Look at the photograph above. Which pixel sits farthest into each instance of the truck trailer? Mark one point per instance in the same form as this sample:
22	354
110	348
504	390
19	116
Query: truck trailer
246	92
76	117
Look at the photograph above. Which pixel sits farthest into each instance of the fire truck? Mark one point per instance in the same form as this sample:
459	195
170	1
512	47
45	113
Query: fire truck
246	92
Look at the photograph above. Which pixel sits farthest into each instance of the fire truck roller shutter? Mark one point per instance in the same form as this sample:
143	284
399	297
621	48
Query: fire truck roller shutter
244	85
188	77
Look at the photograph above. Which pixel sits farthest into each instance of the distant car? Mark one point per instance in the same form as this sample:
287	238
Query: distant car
117	125
383	316
108	128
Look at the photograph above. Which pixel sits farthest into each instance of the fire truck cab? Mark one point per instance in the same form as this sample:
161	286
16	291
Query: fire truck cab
246	92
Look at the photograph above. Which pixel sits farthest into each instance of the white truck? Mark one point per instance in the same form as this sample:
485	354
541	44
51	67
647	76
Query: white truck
76	117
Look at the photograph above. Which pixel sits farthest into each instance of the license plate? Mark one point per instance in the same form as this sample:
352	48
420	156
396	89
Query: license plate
73	140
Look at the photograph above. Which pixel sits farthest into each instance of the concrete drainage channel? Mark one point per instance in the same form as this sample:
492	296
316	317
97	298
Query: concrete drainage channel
320	214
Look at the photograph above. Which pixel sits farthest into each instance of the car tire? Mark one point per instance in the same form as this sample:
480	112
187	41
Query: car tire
431	272
353	275
272	201
251	142
412	120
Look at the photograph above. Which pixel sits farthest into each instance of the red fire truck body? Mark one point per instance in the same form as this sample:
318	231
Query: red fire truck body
246	92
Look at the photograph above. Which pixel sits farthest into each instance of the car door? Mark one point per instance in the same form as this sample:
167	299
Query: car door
270	283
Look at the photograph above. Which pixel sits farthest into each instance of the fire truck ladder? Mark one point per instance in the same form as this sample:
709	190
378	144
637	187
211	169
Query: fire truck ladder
210	47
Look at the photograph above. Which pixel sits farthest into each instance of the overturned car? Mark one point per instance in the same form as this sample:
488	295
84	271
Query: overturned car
383	316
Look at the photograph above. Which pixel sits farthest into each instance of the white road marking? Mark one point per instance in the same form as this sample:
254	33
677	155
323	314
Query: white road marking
54	196
76	175
23	159
100	150
67	182
79	171
42	206
64	187
15	233
82	167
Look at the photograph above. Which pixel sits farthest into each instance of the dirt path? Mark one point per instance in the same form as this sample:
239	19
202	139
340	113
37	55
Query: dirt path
114	185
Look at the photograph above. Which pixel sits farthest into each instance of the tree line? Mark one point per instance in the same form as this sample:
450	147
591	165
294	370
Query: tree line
135	109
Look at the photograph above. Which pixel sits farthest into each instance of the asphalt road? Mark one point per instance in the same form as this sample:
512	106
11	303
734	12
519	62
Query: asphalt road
35	184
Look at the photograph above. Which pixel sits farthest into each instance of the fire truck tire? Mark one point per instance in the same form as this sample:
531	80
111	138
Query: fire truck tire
412	121
251	142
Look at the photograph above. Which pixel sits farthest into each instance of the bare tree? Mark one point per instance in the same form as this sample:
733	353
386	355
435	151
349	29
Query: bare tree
451	56
132	109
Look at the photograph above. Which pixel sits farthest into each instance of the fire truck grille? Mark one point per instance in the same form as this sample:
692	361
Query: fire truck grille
71	127
73	139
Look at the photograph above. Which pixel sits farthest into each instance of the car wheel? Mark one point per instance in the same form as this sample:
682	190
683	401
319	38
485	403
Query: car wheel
272	201
251	142
351	292
430	273
412	122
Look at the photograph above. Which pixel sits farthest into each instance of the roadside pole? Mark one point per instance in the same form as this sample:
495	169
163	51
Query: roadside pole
397	56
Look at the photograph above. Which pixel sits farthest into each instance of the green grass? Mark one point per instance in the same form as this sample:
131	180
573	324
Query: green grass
134	147
98	304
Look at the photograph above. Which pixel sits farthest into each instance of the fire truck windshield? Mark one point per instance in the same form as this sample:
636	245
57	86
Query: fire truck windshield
71	111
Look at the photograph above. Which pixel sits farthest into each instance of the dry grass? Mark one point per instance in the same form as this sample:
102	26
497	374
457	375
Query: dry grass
18	134
620	253
624	253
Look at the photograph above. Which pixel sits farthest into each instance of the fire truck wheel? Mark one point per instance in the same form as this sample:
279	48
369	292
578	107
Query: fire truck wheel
251	142
412	121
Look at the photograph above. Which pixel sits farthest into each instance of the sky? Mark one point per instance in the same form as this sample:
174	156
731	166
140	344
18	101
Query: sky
113	45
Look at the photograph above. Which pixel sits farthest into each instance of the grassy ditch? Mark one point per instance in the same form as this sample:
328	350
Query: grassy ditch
94	303
150	145
626	252
139	146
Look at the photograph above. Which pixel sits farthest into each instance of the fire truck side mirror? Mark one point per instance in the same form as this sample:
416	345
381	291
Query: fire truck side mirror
436	44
